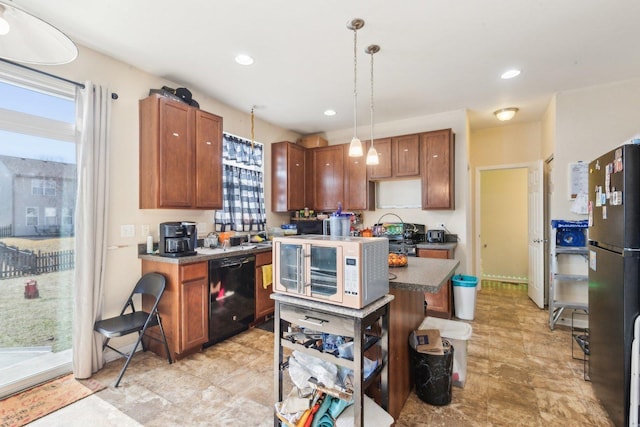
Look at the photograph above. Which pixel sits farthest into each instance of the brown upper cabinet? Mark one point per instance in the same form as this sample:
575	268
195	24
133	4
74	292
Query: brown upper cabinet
383	169
180	155
358	191
406	155
399	158
437	160
328	171
287	177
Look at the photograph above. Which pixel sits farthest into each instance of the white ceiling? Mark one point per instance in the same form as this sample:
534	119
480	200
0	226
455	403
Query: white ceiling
435	56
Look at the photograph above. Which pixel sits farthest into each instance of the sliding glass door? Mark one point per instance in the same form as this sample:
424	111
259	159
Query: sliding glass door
38	193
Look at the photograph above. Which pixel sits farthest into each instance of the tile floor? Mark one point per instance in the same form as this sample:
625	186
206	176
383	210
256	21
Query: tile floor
519	373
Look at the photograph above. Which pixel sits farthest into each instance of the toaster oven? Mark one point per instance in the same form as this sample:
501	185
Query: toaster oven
348	271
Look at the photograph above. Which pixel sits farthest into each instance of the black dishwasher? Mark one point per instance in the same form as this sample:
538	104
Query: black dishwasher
231	296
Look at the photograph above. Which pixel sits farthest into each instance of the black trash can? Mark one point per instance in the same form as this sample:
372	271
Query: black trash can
432	375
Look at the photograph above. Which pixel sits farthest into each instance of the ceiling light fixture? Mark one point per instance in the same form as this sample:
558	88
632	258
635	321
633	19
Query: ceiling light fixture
329	112
355	148
505	114
28	39
243	59
372	154
509	74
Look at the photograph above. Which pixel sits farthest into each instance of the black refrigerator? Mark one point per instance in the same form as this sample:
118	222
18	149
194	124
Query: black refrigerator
614	275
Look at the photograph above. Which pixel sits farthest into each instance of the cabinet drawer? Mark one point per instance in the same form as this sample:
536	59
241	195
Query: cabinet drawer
193	271
317	320
263	258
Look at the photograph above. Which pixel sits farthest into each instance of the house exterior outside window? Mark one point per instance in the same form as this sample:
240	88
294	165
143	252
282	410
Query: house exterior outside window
31	217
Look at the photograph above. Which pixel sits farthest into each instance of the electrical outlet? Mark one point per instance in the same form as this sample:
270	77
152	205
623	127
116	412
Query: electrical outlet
144	230
128	230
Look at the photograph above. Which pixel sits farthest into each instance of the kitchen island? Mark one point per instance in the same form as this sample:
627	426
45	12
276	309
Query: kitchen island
407	313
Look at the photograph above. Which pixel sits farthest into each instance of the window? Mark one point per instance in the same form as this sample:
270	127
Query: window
31	216
43	187
66	217
38	165
243	186
50	217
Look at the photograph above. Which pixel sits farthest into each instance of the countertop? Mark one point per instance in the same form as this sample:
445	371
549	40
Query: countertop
205	254
423	274
442	246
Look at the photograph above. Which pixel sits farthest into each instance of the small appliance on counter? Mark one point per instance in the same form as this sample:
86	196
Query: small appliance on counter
403	236
435	236
177	239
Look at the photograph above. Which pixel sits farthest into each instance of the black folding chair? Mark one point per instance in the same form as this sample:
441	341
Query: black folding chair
151	284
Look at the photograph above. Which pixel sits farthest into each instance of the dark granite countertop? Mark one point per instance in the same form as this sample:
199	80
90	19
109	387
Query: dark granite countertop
205	254
441	246
423	274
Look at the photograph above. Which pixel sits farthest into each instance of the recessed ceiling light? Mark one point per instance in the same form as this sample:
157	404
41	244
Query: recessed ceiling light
509	74
329	112
243	59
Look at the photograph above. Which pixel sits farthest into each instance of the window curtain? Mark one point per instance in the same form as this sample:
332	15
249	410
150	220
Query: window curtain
243	187
94	115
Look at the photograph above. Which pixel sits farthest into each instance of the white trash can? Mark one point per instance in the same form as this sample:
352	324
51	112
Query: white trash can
457	333
464	296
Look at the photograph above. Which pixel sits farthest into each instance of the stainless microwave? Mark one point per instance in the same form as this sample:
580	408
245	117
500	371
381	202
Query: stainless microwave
348	271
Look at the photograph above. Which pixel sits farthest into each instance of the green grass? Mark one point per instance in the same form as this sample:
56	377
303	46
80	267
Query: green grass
43	321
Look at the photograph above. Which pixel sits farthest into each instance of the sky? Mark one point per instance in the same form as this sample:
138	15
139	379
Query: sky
52	107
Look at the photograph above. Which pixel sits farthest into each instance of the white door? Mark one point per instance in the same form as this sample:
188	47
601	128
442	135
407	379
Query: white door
536	233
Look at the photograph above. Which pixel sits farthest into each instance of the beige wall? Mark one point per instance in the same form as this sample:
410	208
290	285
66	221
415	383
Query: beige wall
590	122
131	84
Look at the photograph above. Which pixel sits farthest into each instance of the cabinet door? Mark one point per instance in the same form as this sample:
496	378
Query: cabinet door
194	306
357	190
287	177
329	177
406	158
383	169
438	305
264	304
437	154
208	148
176	155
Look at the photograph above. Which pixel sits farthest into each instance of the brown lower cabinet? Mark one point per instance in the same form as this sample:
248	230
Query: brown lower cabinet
440	304
184	308
264	304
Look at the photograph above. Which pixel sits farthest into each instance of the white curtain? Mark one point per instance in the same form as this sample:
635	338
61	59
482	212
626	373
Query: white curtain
94	115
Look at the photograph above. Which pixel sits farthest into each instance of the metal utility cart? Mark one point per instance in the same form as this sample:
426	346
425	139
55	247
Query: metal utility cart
331	319
568	238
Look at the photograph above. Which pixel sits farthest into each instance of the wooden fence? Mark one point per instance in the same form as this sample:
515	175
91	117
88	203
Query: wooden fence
6	230
15	262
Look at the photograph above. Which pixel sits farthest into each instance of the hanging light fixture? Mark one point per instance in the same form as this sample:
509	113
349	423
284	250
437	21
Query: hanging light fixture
355	148
28	39
372	154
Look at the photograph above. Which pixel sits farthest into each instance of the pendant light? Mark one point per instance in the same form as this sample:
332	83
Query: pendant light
27	39
372	154
355	148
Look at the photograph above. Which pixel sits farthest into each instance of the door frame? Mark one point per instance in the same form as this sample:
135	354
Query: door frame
477	205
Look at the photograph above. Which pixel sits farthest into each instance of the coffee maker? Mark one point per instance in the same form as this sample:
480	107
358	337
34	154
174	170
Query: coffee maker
178	239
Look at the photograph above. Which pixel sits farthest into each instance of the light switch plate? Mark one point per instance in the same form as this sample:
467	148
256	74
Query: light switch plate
128	230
